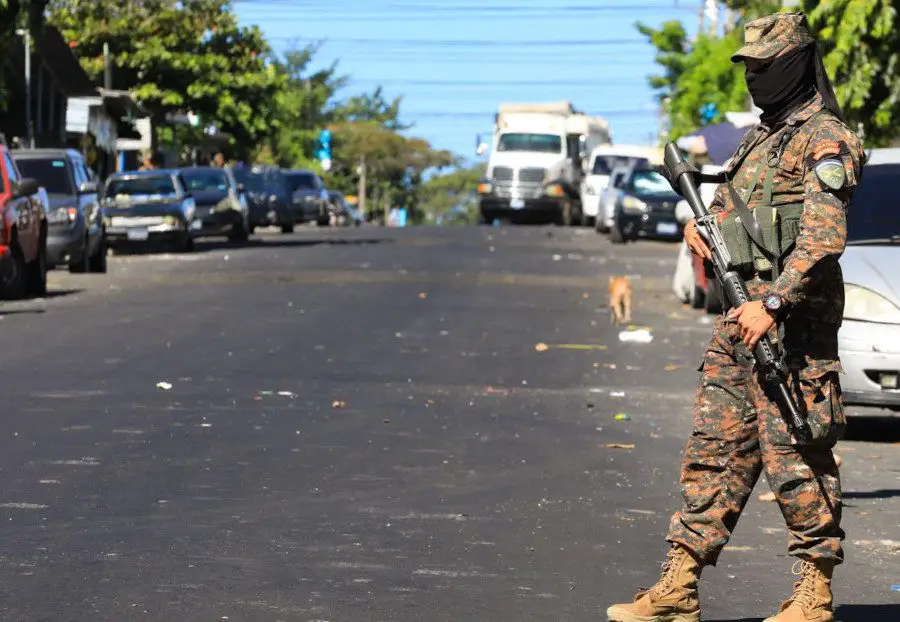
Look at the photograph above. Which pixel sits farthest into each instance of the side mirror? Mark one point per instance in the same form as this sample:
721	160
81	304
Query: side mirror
26	187
87	187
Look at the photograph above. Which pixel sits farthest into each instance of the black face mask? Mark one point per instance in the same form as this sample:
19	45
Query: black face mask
784	84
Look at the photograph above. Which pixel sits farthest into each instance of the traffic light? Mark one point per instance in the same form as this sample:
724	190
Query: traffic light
324	153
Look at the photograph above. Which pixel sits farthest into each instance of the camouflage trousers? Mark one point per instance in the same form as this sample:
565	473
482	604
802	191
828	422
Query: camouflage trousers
738	432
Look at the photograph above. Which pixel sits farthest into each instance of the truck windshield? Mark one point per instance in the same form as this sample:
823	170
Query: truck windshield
51	173
543	143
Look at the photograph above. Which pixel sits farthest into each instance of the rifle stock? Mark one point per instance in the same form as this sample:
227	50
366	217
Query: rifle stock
734	289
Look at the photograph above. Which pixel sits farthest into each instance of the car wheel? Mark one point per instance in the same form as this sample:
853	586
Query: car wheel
697	298
97	262
80	265
615	233
238	234
287	228
185	243
36	273
252	229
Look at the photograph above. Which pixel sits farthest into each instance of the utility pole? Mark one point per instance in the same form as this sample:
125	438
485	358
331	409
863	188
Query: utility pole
29	123
361	187
107	68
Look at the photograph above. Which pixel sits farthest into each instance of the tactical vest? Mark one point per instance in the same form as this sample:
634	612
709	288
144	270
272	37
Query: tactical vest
779	226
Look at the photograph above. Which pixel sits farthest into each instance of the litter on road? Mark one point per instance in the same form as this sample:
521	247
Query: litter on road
620	445
641	335
165	386
622	417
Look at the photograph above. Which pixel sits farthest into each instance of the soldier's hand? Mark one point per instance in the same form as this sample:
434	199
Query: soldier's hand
753	320
695	241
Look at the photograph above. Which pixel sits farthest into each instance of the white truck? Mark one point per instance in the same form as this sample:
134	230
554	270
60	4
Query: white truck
537	162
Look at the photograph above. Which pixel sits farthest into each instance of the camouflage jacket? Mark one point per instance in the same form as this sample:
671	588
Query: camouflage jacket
810	281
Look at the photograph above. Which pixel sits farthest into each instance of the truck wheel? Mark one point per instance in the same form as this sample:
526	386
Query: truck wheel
287	228
185	243
36	273
238	234
97	262
697	298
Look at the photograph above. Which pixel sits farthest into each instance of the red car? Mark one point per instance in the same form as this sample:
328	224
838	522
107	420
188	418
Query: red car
23	233
705	295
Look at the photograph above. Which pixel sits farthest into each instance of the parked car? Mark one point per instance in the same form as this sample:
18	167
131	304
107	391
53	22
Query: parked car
606	205
150	207
309	198
602	161
75	235
645	208
869	338
222	208
267	196
23	233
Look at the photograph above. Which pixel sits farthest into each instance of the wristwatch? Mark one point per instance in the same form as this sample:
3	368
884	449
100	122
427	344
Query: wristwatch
773	304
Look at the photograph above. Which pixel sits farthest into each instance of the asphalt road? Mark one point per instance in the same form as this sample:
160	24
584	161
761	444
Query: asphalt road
359	427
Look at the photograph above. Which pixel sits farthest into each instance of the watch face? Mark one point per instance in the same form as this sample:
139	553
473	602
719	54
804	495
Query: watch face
772	302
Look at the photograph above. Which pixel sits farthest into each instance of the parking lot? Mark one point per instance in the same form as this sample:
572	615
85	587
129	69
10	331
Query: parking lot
347	424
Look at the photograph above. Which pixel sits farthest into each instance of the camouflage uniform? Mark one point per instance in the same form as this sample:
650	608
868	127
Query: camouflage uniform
738	430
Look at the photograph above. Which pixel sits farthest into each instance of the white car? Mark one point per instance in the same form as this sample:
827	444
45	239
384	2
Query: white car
603	160
869	338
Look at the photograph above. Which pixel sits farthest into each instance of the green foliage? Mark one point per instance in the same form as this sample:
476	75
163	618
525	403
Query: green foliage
178	57
670	41
451	197
862	46
709	76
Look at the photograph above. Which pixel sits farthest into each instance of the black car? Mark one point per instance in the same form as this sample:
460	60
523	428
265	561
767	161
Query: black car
268	197
645	208
221	204
309	198
150	207
75	236
339	209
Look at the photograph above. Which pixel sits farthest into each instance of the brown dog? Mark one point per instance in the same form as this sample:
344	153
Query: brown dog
620	294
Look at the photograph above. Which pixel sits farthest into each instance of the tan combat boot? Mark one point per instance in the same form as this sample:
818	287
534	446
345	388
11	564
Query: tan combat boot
673	599
811	600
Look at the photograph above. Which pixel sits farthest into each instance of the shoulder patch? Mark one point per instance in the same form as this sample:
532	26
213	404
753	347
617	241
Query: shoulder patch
826	148
831	173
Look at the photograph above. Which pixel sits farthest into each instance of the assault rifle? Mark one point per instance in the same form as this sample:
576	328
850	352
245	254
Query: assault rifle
772	370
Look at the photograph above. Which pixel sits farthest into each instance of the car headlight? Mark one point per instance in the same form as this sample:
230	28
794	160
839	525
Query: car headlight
865	305
63	216
188	206
171	220
555	190
631	205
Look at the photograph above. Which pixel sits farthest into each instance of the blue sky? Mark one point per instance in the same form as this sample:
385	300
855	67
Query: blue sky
454	61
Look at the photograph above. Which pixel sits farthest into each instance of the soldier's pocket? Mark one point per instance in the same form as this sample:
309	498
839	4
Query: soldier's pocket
825	415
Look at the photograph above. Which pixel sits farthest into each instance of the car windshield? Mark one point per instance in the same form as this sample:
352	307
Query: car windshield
253	182
542	143
650	183
51	173
154	187
302	181
212	180
873	216
606	164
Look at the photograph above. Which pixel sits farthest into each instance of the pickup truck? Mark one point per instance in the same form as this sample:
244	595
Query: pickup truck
23	233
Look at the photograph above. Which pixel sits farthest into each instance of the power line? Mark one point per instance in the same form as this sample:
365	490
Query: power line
475	42
476	115
494	83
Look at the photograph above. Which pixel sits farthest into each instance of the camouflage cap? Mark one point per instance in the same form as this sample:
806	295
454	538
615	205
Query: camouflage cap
769	36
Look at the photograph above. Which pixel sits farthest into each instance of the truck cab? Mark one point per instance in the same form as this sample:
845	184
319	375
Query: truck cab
536	162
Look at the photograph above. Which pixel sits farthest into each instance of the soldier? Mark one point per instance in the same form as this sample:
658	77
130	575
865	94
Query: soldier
782	214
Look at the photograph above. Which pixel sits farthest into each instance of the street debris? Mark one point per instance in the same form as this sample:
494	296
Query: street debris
767	497
165	386
622	417
287	394
338	404
493	391
641	335
672	367
620	445
617	393
423	295
541	347
557	258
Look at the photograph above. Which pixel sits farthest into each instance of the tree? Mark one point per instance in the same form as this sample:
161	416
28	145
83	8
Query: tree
178	56
451	197
862	46
670	41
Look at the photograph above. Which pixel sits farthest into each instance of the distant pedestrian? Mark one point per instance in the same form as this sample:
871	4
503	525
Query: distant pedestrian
783	218
219	160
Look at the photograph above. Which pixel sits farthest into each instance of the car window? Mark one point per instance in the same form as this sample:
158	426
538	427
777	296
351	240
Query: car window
606	164
253	182
51	173
298	181
11	169
872	215
212	180
647	183
152	186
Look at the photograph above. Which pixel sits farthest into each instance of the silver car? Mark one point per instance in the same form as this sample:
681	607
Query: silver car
869	338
